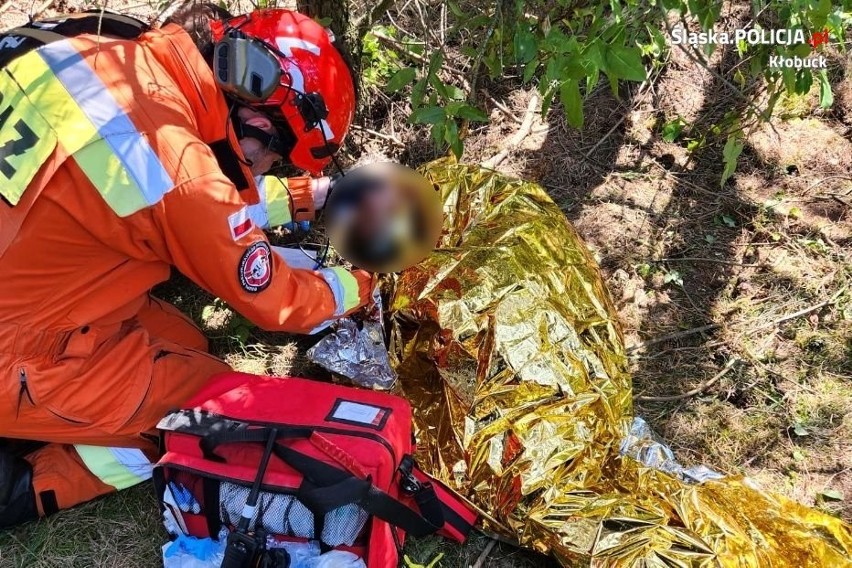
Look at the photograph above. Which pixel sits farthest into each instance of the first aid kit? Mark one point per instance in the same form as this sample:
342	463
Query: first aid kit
287	465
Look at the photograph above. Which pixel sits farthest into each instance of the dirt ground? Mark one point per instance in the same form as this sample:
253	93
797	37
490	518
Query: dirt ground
745	285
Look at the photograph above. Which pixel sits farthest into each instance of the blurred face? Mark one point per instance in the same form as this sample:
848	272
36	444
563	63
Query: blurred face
254	150
384	218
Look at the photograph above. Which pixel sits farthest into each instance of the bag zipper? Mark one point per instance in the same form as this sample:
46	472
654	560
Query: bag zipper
326	429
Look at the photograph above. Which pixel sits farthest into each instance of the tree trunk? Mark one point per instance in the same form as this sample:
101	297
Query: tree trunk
334	12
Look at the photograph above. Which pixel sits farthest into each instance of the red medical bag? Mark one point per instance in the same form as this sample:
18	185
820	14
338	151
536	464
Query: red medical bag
341	473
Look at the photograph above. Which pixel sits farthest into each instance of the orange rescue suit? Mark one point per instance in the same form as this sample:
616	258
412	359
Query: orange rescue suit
89	361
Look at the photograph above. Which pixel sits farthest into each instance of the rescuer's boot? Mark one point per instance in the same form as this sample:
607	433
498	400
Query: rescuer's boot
17	496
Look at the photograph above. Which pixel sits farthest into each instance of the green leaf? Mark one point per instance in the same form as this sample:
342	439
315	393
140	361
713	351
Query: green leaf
730	155
672	129
471	113
439	86
826	98
673	276
728	221
451	135
625	63
831	495
572	102
454	93
525	45
529	70
438	131
400	79
804	81
418	92
435	62
428	115
800	430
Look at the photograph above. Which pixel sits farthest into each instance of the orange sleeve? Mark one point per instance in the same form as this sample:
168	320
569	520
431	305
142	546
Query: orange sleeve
210	236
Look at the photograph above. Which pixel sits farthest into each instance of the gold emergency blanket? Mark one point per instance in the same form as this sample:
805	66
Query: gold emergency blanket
508	346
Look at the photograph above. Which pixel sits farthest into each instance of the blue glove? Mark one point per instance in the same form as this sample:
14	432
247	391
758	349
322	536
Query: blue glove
294	226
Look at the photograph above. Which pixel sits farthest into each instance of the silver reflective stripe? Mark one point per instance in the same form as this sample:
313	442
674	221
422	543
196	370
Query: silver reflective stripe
258	211
112	122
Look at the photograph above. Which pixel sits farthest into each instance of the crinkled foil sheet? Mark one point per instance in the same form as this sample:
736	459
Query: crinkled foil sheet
507	344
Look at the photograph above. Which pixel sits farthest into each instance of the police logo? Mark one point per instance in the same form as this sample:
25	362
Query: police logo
255	268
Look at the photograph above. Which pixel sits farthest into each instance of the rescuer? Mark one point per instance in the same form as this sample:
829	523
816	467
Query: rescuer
125	151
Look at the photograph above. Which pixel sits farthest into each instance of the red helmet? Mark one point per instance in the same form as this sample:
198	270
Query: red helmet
285	64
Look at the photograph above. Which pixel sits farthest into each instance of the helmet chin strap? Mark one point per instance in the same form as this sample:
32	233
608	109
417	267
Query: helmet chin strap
271	141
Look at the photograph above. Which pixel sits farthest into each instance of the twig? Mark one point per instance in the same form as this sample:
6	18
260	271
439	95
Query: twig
802	312
387	137
673	336
701	259
519	136
818	182
697	390
605	136
41	8
503	108
480	561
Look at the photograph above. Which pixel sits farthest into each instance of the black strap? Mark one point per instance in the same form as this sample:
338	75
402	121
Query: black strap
331	487
229	163
49	504
210	491
37	34
213	440
271	141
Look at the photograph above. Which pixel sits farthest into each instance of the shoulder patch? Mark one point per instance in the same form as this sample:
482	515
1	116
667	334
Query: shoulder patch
255	270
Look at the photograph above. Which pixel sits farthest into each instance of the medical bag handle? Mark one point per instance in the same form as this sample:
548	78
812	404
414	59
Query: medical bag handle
209	442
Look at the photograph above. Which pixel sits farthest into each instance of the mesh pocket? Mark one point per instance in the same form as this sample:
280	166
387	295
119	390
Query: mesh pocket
283	514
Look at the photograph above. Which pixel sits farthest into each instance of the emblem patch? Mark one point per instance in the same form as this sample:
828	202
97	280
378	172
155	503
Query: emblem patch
255	270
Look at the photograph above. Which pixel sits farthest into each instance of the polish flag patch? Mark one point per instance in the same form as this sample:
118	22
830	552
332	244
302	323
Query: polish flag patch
240	224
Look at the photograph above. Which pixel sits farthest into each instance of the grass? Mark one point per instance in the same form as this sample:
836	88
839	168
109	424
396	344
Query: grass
123	531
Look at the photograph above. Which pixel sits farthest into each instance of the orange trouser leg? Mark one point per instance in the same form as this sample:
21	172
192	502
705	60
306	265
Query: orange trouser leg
104	391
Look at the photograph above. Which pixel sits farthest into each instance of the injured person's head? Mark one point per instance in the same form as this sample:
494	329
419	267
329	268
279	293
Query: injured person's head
383	217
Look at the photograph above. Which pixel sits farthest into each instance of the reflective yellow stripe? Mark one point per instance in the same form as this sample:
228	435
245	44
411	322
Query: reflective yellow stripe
145	179
26	140
94	130
53	102
277	201
344	287
119	467
110	177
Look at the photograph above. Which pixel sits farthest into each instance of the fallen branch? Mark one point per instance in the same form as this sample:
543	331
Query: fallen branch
673	336
697	390
802	312
480	561
519	136
713	326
